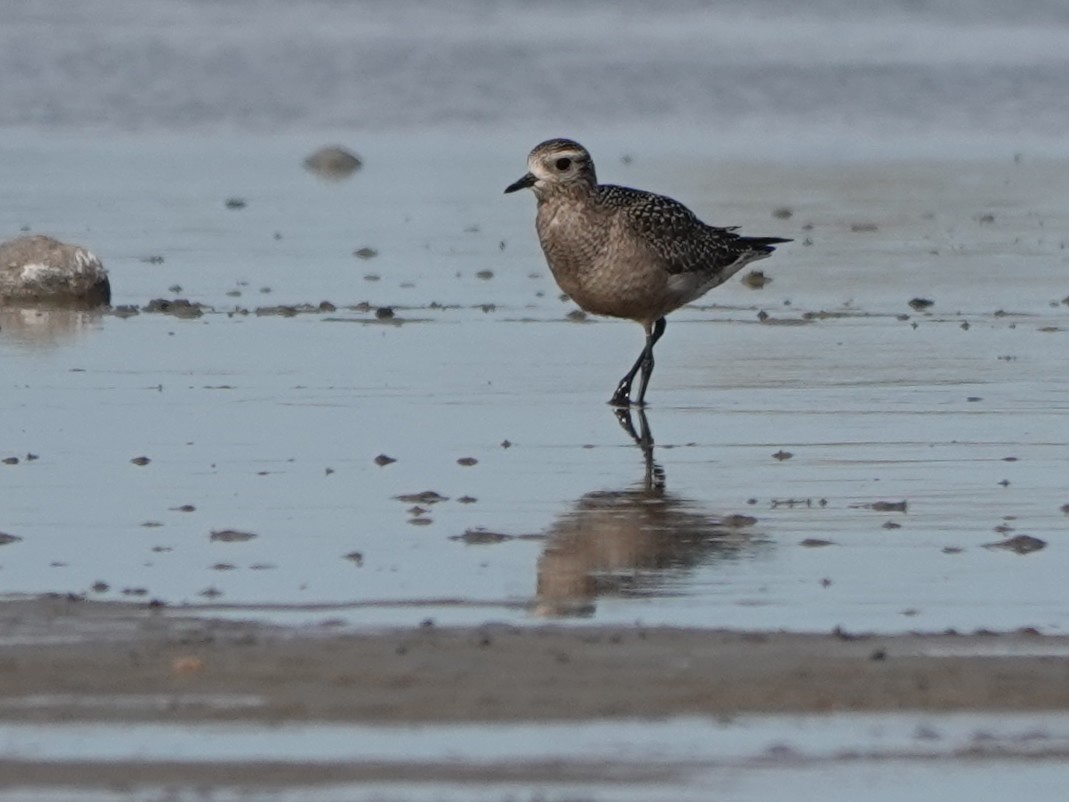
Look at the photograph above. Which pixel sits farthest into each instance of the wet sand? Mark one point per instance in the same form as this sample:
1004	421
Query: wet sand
78	655
80	666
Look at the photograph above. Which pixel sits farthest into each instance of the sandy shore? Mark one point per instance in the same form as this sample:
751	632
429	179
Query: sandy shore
87	658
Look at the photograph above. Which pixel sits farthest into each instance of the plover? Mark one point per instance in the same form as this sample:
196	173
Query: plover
624	252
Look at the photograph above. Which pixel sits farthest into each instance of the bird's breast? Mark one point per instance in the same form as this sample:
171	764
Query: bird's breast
598	266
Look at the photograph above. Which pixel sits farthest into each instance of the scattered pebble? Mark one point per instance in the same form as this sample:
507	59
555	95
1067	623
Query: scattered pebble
384	313
421	521
863	227
783	213
10	460
365	253
507	444
179	307
100	587
235	203
333	162
6	538
231	536
815	542
140	460
184	508
480	537
382	460
782	455
891	525
756	279
424	497
467	499
887	506
355	557
1021	544
187	665
485	275
467	462
918	304
738	521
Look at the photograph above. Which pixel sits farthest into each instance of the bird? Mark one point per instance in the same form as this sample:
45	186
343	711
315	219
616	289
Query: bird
627	253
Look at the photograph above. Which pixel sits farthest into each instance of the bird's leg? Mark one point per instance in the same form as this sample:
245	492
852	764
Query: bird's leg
647	359
622	396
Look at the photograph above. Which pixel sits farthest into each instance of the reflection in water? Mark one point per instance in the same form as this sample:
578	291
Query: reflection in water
30	327
630	542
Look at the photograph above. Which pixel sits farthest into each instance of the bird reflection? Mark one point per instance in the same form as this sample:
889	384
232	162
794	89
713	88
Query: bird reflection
631	542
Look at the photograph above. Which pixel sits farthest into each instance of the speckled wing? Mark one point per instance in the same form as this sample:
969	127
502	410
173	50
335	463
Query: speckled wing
683	242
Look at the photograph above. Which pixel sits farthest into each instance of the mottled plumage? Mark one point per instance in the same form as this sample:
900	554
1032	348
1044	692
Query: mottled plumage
624	252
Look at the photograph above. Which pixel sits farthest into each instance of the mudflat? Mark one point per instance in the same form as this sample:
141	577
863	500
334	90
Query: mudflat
67	660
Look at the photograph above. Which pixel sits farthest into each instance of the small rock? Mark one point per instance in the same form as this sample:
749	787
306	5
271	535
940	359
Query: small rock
782	455
889	506
783	213
920	303
231	536
424	497
382	460
1021	544
140	460
815	543
333	162
384	313
738	521
43	270
10	460
365	253
863	227
236	203
756	279
179	307
6	538
467	462
479	537
356	557
187	665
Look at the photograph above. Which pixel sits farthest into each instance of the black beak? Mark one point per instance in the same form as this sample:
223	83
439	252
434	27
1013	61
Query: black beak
527	181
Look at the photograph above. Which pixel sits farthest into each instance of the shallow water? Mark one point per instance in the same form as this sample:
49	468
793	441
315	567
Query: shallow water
270	424
745	758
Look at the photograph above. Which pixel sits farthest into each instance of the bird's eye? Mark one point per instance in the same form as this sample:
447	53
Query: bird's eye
563	164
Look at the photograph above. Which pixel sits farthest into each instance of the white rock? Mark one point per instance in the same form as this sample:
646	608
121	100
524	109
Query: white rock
42	270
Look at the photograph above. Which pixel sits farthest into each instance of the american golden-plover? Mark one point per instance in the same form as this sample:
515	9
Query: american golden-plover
624	252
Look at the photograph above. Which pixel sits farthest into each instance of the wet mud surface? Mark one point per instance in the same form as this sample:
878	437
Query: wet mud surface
291	488
245	707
